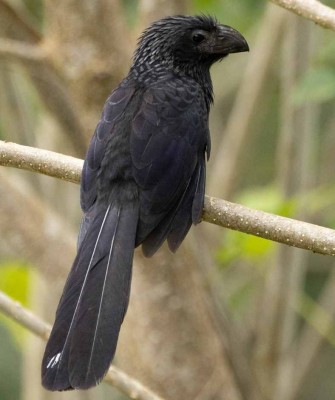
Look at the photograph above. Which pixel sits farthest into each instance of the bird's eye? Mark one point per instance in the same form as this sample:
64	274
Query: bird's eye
199	36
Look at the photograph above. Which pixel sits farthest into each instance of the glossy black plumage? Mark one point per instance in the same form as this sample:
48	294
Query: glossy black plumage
143	182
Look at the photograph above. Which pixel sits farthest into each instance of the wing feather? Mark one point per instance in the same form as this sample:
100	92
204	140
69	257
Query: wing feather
113	110
168	142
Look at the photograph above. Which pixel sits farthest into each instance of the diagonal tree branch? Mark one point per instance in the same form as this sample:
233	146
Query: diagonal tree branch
42	161
311	9
21	50
216	211
269	226
117	378
24	317
17	24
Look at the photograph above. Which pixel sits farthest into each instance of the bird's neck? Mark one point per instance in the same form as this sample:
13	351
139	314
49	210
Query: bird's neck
200	73
147	73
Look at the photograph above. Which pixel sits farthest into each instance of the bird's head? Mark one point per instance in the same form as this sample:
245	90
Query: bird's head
184	42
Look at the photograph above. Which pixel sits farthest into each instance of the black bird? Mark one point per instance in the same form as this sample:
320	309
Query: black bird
143	181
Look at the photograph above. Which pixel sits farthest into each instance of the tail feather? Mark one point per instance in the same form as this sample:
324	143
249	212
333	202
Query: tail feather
95	298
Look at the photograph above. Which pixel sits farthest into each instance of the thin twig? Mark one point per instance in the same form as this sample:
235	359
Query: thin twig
216	211
127	385
311	9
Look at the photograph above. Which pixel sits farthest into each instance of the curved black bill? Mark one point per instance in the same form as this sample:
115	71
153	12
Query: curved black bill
231	41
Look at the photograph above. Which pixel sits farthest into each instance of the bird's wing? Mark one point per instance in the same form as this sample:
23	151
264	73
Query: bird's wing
168	143
113	111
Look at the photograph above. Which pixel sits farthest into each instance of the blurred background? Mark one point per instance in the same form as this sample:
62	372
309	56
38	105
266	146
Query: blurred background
230	316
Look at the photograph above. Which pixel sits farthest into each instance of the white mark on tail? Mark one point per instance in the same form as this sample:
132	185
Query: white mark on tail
54	360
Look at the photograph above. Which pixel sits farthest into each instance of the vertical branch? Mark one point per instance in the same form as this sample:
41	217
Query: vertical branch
284	285
270	339
304	136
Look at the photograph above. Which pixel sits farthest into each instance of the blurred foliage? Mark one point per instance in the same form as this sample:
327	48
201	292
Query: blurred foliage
130	11
241	14
316	316
35	9
10	366
316	86
316	282
15	281
20	105
240	299
320	384
253	256
330	3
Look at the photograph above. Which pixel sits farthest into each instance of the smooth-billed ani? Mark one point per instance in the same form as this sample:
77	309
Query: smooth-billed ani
143	181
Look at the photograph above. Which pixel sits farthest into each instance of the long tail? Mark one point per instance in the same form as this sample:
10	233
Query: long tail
95	299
